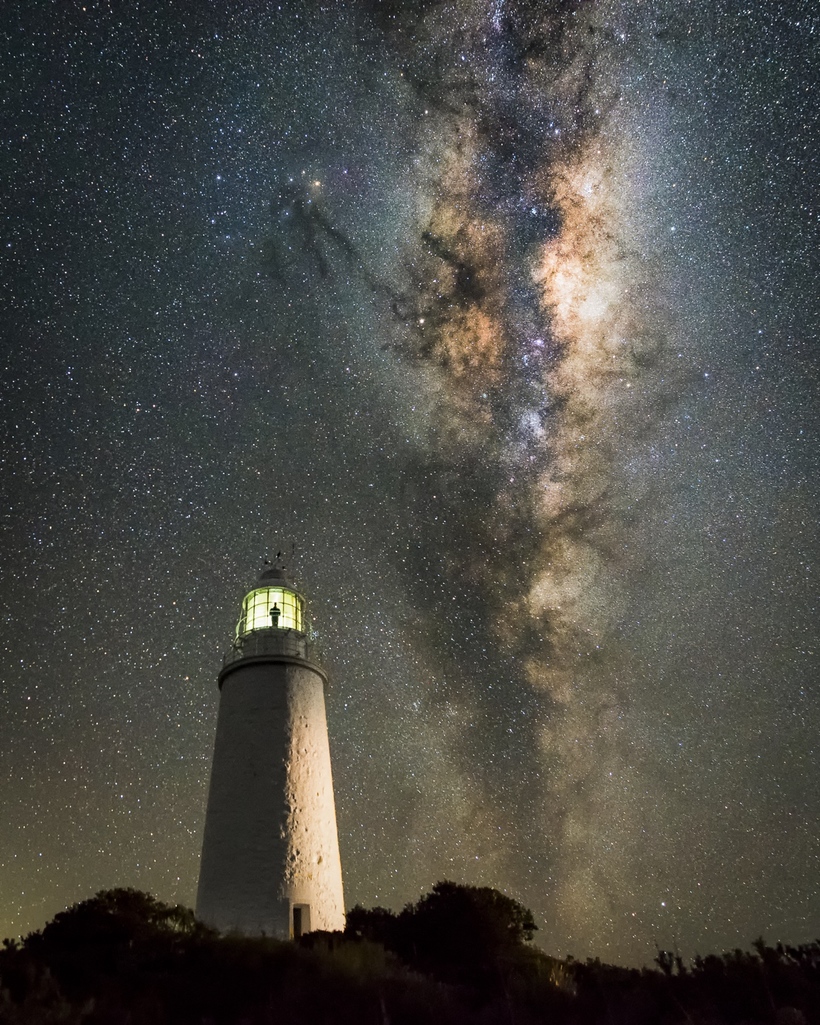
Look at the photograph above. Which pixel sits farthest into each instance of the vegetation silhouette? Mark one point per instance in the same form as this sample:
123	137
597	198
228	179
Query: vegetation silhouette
461	955
460	934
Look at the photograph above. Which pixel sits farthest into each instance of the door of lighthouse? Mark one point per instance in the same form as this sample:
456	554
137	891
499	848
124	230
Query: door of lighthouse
300	920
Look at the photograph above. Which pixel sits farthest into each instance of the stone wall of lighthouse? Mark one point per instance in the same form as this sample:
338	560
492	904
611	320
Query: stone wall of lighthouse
270	854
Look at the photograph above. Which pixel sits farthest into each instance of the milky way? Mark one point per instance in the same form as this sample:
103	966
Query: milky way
503	316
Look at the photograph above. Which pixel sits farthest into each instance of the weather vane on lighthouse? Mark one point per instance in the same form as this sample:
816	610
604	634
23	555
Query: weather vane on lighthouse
270	853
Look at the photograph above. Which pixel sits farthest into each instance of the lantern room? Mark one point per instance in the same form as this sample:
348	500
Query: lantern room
272	604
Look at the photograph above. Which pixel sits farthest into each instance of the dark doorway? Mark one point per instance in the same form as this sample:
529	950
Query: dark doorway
301	920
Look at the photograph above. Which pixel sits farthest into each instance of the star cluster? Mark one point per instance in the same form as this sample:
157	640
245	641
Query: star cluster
503	315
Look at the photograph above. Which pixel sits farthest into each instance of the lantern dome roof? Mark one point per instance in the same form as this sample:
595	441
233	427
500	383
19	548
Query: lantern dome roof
275	575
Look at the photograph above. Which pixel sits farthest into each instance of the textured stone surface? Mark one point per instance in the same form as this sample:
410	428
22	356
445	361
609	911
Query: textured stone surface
270	830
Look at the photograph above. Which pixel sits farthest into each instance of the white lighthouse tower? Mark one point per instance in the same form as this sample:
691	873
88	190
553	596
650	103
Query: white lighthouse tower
270	853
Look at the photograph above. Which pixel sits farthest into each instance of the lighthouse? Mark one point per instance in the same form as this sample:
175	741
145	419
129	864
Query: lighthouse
270	852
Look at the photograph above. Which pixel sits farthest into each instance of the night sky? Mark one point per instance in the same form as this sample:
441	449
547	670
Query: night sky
500	318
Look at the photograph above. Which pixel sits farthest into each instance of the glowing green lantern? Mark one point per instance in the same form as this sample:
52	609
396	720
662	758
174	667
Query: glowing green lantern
272	605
